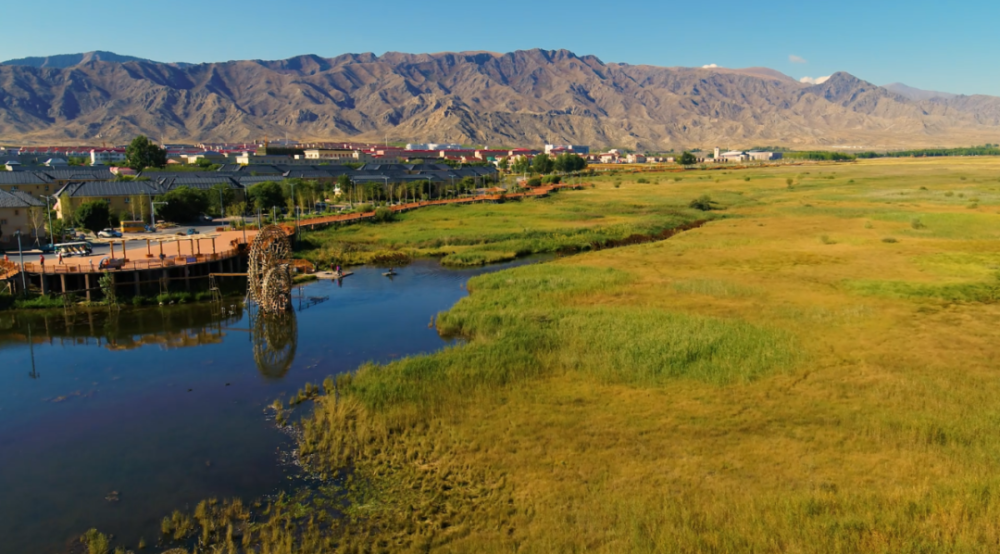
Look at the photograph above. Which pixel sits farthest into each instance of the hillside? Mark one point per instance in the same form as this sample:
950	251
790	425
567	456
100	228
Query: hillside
523	97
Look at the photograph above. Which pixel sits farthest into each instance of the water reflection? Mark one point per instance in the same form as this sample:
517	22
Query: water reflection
275	339
166	405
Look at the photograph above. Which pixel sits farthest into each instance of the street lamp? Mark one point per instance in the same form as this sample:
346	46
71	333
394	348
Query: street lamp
20	254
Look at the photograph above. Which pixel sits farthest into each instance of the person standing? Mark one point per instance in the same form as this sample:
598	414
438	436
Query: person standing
41	260
59	257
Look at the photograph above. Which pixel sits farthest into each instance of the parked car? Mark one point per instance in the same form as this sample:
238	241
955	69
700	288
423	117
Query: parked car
192	231
109	233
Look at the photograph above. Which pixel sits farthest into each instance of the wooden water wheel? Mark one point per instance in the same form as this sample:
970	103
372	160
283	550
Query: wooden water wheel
269	276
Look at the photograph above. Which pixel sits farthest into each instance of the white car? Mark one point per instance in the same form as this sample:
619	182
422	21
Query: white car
109	233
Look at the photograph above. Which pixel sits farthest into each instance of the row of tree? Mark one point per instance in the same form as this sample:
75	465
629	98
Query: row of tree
543	164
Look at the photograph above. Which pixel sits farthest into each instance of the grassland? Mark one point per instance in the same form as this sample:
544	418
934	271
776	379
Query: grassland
464	235
814	372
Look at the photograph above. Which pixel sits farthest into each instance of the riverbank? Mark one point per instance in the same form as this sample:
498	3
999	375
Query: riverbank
487	233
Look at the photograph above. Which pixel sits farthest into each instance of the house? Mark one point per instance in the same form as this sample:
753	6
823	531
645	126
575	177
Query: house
338	155
55	162
106	156
434	146
20	212
635	159
34	183
556	149
120	195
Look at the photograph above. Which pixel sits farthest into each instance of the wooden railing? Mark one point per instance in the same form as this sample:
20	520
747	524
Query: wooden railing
72	266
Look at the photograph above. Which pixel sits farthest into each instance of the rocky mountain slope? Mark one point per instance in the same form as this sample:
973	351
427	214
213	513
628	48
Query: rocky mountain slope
519	98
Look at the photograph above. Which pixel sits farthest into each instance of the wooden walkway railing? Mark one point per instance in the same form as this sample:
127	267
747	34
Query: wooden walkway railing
75	267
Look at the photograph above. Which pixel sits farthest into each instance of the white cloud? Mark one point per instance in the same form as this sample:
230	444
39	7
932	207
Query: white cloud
710	66
816	81
796	59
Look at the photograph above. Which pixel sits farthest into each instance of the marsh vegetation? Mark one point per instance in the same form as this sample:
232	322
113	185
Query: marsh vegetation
741	387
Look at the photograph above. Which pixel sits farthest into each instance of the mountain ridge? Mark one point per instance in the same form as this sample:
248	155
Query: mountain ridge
525	97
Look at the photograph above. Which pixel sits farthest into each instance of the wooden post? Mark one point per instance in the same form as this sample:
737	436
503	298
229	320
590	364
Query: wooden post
62	281
124	254
86	283
41	278
198	242
161	247
112	243
213	245
149	253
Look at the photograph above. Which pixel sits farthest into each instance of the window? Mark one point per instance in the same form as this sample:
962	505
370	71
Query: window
3	221
13	187
17	212
127	199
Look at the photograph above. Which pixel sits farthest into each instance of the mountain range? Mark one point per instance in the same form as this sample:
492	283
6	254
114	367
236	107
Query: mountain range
519	98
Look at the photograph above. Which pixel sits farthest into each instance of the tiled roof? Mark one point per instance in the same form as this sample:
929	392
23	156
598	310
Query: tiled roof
91	173
10	200
23	178
103	189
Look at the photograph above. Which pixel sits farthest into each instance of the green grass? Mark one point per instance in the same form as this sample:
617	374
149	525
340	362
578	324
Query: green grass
740	387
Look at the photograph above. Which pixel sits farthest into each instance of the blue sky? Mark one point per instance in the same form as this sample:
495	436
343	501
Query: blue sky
921	43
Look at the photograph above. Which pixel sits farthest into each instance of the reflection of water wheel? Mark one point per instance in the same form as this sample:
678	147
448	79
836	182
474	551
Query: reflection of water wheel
269	280
275	339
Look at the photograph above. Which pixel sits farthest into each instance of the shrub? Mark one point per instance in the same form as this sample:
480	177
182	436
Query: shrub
535	182
889	240
643	180
789	181
618	184
703	203
383	215
825	239
949	193
917	224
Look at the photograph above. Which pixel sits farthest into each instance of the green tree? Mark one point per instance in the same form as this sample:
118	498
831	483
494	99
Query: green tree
92	216
183	204
223	193
143	153
521	165
266	195
687	158
568	163
543	164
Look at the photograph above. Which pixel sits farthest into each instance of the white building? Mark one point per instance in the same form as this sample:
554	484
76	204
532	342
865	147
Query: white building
106	156
574	148
435	146
635	159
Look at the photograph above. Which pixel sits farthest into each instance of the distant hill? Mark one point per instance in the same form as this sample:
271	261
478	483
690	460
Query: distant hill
917	94
518	98
63	61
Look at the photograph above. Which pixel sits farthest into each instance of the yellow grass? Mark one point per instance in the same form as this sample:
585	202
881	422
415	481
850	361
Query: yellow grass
874	427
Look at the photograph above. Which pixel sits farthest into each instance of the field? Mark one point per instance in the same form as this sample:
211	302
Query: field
814	370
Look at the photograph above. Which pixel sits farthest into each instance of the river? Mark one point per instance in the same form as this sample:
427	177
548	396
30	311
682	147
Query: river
112	421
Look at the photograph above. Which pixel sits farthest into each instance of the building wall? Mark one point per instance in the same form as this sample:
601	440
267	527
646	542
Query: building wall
13	219
35	190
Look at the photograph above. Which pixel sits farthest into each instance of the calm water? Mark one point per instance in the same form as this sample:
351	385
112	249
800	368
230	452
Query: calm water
166	406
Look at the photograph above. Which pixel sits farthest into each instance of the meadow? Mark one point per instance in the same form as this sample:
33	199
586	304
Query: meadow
813	370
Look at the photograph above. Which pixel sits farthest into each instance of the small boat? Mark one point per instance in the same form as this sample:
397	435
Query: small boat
390	274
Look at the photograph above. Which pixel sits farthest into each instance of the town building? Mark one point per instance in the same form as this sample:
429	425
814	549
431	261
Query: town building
20	212
564	148
434	146
107	156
